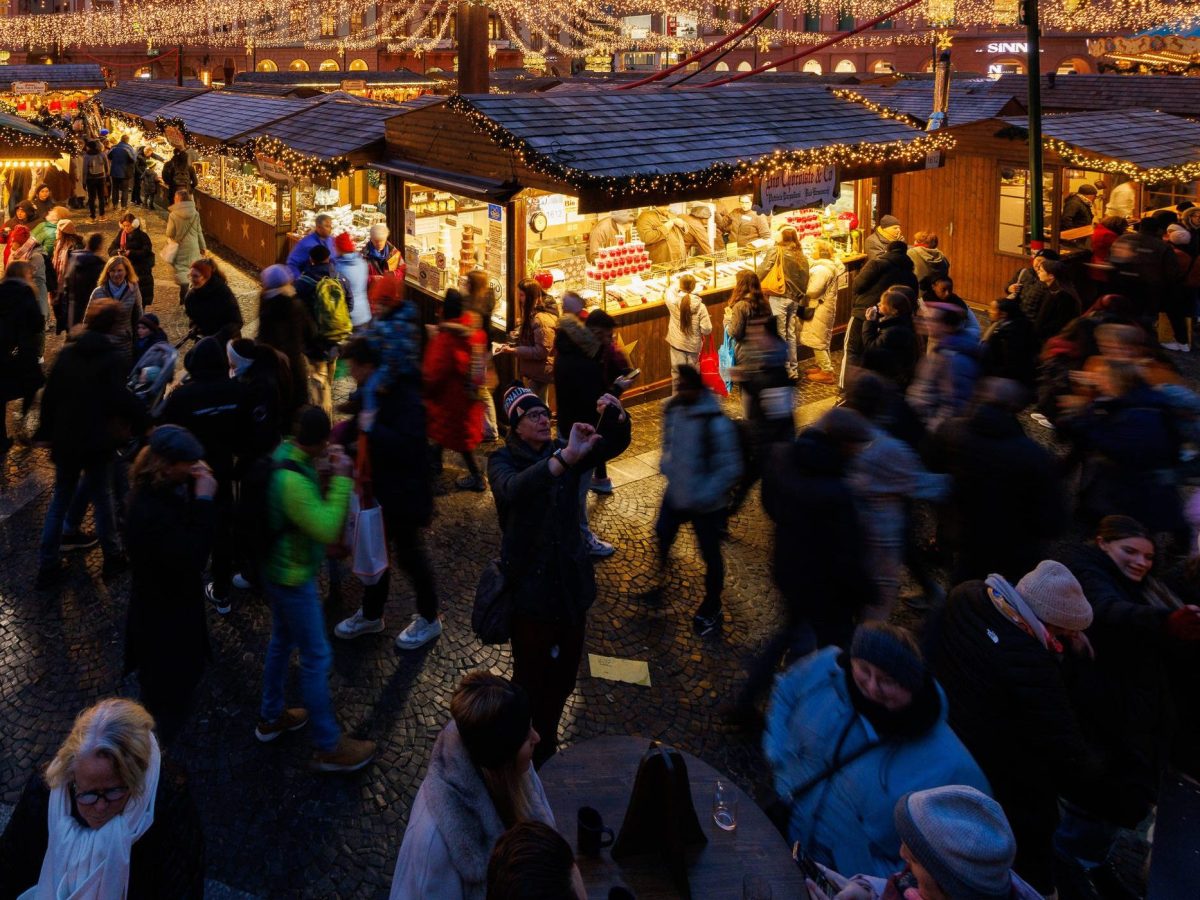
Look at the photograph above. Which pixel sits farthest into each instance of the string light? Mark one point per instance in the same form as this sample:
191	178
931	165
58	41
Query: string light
300	165
878	109
713	175
1184	172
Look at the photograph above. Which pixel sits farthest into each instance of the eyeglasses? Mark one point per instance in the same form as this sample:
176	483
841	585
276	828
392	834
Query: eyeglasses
110	795
537	415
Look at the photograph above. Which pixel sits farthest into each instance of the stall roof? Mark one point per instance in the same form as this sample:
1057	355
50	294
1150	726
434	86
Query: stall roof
1071	93
269	90
26	140
628	134
58	77
399	78
1148	139
222	116
336	127
143	98
968	102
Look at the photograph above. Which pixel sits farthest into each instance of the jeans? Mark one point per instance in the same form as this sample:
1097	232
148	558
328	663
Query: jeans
490	430
585	485
297	622
97	482
823	361
709	527
784	310
408	552
95	193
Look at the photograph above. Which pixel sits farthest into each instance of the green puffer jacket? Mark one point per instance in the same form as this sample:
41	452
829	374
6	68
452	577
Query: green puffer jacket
305	520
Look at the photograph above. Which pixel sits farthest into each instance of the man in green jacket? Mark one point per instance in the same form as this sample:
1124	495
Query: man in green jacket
303	523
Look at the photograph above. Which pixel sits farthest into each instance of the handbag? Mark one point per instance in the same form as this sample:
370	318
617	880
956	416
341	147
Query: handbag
169	251
727	358
774	282
491	614
710	369
661	817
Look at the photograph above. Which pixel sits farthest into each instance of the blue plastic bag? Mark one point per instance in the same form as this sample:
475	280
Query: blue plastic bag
727	357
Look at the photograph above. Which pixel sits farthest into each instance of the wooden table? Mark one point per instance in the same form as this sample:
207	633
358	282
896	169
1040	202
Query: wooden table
600	773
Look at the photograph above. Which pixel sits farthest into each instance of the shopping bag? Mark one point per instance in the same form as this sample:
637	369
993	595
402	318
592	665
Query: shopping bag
370	558
727	359
168	252
710	369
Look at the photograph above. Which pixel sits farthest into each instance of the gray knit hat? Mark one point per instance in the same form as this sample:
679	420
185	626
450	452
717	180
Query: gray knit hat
962	837
1055	596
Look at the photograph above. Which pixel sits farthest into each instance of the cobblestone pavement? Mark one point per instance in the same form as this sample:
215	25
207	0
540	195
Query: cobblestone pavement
274	829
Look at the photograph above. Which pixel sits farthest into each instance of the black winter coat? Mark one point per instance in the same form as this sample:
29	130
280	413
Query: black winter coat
578	374
83	274
1058	307
21	329
889	270
890	348
1007	498
1076	213
548	567
140	252
1010	350
168	861
87	412
399	461
212	307
1123	696
168	536
286	326
818	540
1008	704
218	411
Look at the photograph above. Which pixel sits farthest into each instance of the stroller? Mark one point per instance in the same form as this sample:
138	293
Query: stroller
153	374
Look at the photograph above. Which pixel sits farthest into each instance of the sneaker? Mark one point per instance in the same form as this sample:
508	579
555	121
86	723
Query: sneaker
240	582
602	485
220	604
597	547
349	755
1041	420
471	483
291	720
821	377
49	575
1172	345
114	565
78	540
706	624
420	631
357	625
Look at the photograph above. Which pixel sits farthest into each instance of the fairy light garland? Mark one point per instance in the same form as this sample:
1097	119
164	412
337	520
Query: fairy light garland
878	109
16	139
1185	172
713	175
299	164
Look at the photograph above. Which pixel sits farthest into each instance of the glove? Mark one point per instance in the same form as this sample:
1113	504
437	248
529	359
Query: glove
1184	625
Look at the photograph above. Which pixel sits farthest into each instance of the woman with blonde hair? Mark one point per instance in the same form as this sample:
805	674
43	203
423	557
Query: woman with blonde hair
820	307
480	783
119	282
105	822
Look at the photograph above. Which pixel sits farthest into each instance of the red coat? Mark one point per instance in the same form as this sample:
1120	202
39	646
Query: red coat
453	374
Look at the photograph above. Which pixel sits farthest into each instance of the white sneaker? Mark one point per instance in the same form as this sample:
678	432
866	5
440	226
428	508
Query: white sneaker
1171	345
358	625
420	631
240	582
597	547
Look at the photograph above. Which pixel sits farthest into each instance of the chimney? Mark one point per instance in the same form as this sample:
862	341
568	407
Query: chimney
940	117
472	48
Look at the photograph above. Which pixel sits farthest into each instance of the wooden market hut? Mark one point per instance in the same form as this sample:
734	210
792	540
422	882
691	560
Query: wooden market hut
401	84
61	87
977	202
138	102
520	162
969	101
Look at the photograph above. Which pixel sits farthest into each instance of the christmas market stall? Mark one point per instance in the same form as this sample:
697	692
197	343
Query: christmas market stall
978	202
245	203
27	151
372	85
576	189
131	109
33	90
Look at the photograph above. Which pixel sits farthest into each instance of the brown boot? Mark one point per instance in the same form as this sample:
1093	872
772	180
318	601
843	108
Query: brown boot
292	720
821	378
349	755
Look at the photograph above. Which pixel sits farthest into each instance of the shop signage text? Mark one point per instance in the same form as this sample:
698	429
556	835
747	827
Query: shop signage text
29	87
794	188
1008	47
354	84
269	168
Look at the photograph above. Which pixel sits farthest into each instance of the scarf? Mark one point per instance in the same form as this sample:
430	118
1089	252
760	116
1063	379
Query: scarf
1013	607
237	364
112	289
84	863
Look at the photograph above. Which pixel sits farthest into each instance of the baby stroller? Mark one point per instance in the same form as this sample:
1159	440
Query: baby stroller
153	374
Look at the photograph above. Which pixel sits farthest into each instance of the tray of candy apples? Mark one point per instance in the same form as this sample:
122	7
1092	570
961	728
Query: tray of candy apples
619	261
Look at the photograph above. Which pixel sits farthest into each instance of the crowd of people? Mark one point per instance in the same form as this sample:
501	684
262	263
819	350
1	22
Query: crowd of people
1038	692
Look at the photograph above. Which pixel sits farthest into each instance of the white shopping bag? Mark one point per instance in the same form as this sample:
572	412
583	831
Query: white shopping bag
369	549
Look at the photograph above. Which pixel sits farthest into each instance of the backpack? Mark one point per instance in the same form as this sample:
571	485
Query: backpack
257	536
332	311
95	165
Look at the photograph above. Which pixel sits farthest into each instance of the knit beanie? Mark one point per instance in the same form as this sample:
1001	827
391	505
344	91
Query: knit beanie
1178	235
274	278
174	443
520	400
344	243
238	364
491	744
312	426
962	838
1055	596
888	222
874	643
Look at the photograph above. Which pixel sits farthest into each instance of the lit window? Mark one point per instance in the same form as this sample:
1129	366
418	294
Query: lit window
298	65
328	25
330	65
845	66
266	65
358	65
812	66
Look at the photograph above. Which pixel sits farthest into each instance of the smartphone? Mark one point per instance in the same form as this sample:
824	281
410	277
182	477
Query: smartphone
631	375
812	871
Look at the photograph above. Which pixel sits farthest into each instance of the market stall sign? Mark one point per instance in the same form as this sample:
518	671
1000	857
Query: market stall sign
271	169
795	188
354	85
29	87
